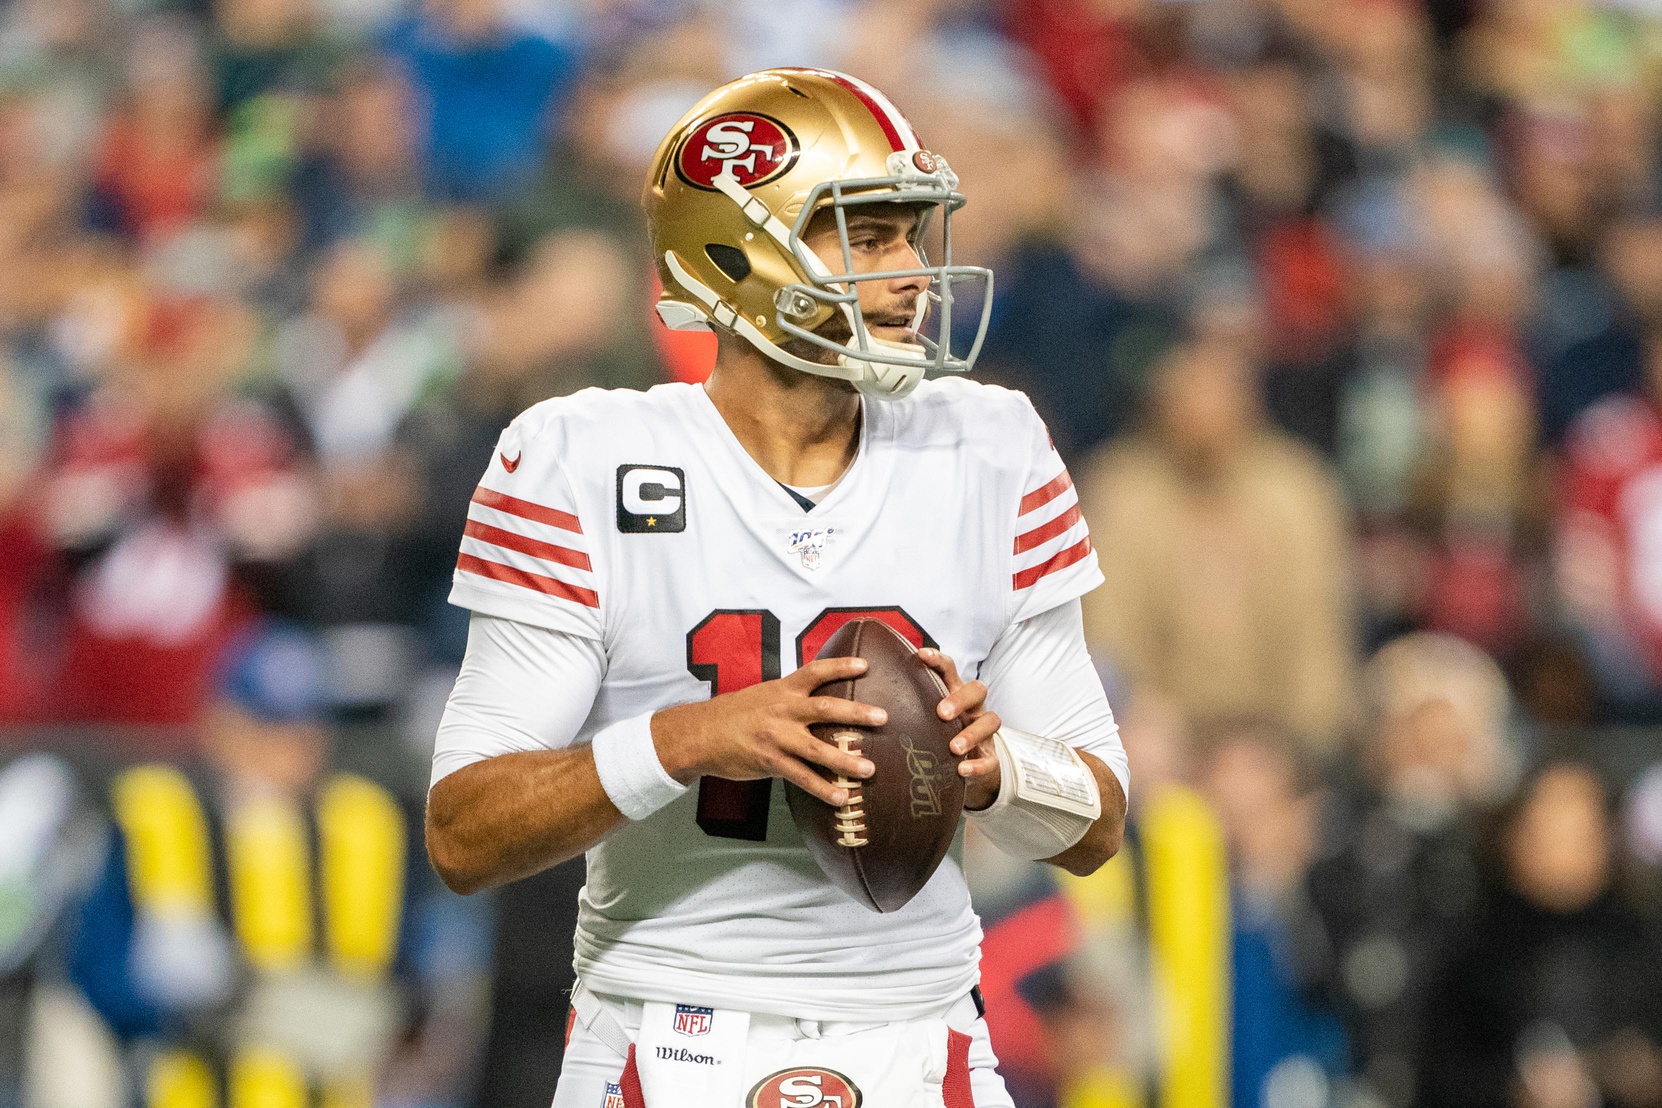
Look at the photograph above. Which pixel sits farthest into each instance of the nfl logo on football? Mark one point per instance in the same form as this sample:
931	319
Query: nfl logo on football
614	1096
693	1021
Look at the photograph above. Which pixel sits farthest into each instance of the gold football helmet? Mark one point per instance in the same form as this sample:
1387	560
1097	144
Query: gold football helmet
731	191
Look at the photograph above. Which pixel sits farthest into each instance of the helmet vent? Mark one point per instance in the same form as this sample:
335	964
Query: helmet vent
730	260
798	92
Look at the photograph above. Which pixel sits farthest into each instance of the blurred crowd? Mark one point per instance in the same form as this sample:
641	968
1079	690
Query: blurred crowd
1347	315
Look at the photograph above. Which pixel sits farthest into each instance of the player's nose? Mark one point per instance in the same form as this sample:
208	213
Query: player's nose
906	257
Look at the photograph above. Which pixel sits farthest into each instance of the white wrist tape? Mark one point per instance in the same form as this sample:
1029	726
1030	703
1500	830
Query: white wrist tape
629	769
1047	797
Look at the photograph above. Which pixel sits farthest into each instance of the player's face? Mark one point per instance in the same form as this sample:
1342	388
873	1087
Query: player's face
880	237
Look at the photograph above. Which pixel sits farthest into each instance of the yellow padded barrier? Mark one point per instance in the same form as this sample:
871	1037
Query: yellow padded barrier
362	834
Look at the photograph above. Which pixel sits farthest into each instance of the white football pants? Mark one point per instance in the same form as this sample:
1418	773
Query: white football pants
592	1064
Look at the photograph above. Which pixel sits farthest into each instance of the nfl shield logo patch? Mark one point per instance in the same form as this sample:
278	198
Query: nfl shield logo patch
693	1021
614	1095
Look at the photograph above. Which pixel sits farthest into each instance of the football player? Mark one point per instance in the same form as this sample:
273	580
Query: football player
652	574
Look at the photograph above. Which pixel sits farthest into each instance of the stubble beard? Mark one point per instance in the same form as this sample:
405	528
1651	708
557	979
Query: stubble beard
835	330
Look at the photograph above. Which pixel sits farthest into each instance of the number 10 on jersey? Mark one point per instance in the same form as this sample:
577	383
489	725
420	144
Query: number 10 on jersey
733	649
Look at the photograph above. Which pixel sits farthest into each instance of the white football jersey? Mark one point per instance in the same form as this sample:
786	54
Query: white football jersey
638	520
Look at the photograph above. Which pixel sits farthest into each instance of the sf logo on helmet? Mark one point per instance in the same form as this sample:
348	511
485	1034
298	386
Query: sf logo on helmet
804	1088
753	149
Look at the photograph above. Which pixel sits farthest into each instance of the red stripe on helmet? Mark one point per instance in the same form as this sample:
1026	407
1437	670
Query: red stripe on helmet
878	112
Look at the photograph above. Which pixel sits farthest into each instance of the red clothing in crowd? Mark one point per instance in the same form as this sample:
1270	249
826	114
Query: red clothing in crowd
157	186
151	613
1612	513
23	667
1086	55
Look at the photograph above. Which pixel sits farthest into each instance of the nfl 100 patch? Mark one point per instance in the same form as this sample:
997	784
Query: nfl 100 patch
809	544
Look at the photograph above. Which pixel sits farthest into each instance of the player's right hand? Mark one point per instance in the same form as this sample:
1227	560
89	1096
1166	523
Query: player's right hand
763	731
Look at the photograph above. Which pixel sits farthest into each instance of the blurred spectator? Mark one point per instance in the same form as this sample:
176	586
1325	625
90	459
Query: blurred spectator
1228	558
1089	51
1081	327
159	167
355	365
1606	558
1286	170
168	497
1476	504
1614	316
1284	1032
562	322
1550	996
203	945
1080	321
365	176
1382	425
357	361
270	46
489	92
1477	492
1397	872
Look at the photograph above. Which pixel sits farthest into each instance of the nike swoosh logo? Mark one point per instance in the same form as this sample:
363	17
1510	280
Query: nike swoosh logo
510	466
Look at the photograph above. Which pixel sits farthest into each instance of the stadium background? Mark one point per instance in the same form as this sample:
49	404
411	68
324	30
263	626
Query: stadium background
1344	313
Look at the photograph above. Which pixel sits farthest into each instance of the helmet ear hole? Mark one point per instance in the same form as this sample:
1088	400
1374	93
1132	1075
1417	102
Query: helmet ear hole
730	260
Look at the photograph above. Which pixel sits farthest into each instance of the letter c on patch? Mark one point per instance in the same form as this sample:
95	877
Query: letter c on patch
651	499
652	490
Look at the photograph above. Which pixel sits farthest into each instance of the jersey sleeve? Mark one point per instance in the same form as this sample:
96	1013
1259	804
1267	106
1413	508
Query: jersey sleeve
524	554
520	689
1052	561
1040	678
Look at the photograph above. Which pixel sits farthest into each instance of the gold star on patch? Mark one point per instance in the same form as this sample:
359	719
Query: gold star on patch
652	521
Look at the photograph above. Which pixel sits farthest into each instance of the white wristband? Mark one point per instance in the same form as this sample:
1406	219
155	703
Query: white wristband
1047	797
629	769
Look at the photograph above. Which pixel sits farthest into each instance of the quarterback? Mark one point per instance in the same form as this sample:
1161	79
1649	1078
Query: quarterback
651	576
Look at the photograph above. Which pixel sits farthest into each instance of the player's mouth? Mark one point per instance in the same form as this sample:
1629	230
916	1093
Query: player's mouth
892	328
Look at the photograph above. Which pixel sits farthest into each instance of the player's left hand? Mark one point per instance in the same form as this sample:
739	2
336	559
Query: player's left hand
966	700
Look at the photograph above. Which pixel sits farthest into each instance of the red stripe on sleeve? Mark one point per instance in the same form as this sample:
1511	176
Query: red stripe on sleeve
524	509
1047	531
536	582
1044	494
547	551
1061	561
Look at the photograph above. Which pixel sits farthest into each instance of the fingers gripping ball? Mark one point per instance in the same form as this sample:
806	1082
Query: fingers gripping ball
882	846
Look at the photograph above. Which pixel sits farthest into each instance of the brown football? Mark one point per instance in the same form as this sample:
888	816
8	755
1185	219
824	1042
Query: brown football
882	847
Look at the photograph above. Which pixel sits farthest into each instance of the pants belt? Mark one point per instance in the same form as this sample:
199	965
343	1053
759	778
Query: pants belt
594	1015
